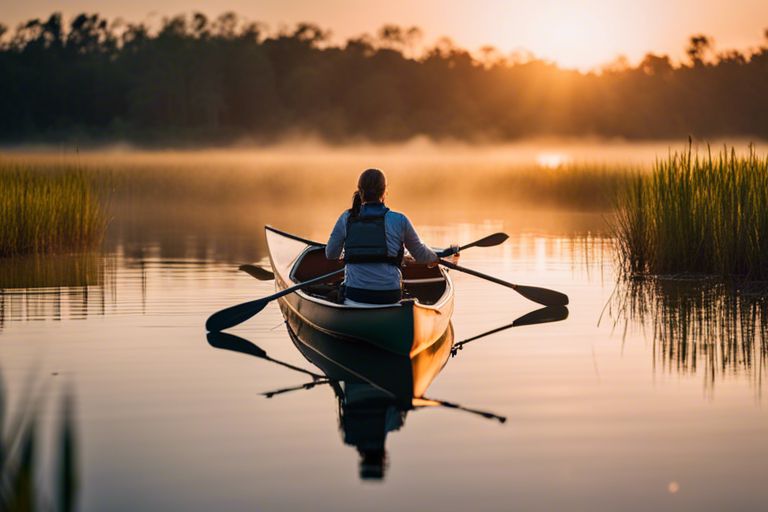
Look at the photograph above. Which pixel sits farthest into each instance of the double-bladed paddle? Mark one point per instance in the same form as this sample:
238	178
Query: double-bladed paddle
541	295
234	315
488	241
263	274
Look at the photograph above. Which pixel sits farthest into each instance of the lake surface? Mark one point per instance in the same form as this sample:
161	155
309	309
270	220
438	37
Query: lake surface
647	397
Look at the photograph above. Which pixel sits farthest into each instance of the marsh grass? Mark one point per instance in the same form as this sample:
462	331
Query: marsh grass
47	210
697	214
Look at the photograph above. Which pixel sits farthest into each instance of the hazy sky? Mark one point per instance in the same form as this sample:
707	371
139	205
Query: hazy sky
583	34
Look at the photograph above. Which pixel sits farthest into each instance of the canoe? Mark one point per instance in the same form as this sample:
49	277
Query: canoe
405	328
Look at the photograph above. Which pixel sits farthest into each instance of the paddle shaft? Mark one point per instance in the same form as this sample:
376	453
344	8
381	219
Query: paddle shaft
534	293
234	315
478	274
488	241
303	284
294	237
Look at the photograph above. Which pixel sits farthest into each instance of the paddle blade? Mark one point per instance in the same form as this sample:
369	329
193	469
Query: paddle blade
234	315
542	316
492	240
257	271
228	341
542	295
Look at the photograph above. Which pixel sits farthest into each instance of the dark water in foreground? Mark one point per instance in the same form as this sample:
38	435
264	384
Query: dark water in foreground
642	399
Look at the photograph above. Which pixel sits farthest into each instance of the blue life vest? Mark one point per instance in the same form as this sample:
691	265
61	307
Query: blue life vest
366	240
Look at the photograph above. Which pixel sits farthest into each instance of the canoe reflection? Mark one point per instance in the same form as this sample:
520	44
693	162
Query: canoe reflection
375	389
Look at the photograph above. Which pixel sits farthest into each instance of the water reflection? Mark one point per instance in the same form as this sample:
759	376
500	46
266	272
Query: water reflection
79	286
699	325
374	389
55	287
23	449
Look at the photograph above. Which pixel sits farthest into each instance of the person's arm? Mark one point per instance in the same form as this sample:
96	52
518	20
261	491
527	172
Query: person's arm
420	252
336	240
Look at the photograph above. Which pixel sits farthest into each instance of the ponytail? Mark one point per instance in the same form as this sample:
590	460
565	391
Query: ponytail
357	202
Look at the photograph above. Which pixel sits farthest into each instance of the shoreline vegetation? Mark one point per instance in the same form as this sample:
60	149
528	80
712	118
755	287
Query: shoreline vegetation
697	214
192	80
57	211
689	213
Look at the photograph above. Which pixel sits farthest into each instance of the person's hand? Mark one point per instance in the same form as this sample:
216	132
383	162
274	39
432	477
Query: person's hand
454	258
408	260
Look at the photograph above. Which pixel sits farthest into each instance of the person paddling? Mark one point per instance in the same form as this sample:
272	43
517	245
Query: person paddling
372	239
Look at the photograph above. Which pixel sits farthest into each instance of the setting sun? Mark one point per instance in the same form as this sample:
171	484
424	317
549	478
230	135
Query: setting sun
572	36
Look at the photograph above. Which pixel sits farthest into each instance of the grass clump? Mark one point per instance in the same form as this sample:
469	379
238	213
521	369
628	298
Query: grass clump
46	210
692	214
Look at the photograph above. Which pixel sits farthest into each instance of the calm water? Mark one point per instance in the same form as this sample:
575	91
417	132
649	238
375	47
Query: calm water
644	398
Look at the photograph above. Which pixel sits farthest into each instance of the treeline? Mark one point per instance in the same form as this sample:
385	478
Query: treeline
201	80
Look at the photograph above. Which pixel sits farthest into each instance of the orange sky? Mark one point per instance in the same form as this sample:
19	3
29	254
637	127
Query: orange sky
583	34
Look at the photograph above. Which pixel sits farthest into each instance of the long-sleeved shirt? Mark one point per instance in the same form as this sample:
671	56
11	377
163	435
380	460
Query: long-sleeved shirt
379	276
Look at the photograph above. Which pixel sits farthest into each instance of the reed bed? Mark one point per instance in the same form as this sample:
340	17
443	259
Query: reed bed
46	210
697	215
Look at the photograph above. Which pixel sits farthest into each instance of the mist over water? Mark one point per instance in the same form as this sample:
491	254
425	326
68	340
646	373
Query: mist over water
173	197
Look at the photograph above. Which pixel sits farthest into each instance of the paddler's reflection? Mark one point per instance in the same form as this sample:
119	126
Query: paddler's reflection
375	389
366	416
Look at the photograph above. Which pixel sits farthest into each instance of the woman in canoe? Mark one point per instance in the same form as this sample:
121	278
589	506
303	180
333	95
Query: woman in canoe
372	239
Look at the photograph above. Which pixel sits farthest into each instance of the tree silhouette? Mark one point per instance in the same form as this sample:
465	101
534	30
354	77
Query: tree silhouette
698	46
195	79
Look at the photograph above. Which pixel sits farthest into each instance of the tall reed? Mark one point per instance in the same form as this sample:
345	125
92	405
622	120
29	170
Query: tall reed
695	214
44	210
